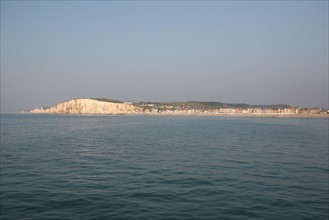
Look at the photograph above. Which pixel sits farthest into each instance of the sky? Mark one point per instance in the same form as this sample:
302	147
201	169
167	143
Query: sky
255	52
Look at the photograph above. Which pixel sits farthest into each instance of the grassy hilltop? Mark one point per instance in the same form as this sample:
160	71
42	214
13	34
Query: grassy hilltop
195	105
210	105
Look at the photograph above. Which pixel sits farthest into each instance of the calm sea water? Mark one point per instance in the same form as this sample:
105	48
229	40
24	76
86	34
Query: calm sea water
143	167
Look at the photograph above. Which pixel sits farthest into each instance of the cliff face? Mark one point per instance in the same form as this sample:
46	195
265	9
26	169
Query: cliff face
90	106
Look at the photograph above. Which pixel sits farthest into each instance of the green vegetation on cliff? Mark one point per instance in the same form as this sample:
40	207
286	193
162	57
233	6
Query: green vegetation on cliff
194	105
107	100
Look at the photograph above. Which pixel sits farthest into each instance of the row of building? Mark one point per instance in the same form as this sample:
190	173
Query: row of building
255	111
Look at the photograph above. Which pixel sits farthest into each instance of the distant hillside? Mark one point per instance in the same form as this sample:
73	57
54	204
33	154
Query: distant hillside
104	106
209	105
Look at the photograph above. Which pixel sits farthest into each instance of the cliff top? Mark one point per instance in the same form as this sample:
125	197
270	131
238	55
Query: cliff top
107	100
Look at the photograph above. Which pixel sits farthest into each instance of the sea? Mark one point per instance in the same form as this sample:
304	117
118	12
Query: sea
163	167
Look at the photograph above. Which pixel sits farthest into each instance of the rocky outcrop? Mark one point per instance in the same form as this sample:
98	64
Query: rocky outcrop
90	106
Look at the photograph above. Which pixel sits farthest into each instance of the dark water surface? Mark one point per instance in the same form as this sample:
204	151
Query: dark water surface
140	167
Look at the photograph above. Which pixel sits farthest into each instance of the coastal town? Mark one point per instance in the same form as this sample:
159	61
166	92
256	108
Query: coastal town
245	111
205	108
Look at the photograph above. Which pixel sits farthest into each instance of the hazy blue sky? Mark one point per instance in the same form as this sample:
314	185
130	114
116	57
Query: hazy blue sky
256	52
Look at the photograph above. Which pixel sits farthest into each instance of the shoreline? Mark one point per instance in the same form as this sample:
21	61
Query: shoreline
195	115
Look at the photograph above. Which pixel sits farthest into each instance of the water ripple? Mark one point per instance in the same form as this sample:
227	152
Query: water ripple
72	167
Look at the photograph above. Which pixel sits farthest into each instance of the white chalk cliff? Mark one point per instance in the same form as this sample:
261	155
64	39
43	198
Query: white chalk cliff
90	106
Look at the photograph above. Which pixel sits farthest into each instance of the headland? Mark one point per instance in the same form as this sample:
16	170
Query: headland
102	106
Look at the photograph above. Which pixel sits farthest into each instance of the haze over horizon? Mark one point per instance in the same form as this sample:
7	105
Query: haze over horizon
254	52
